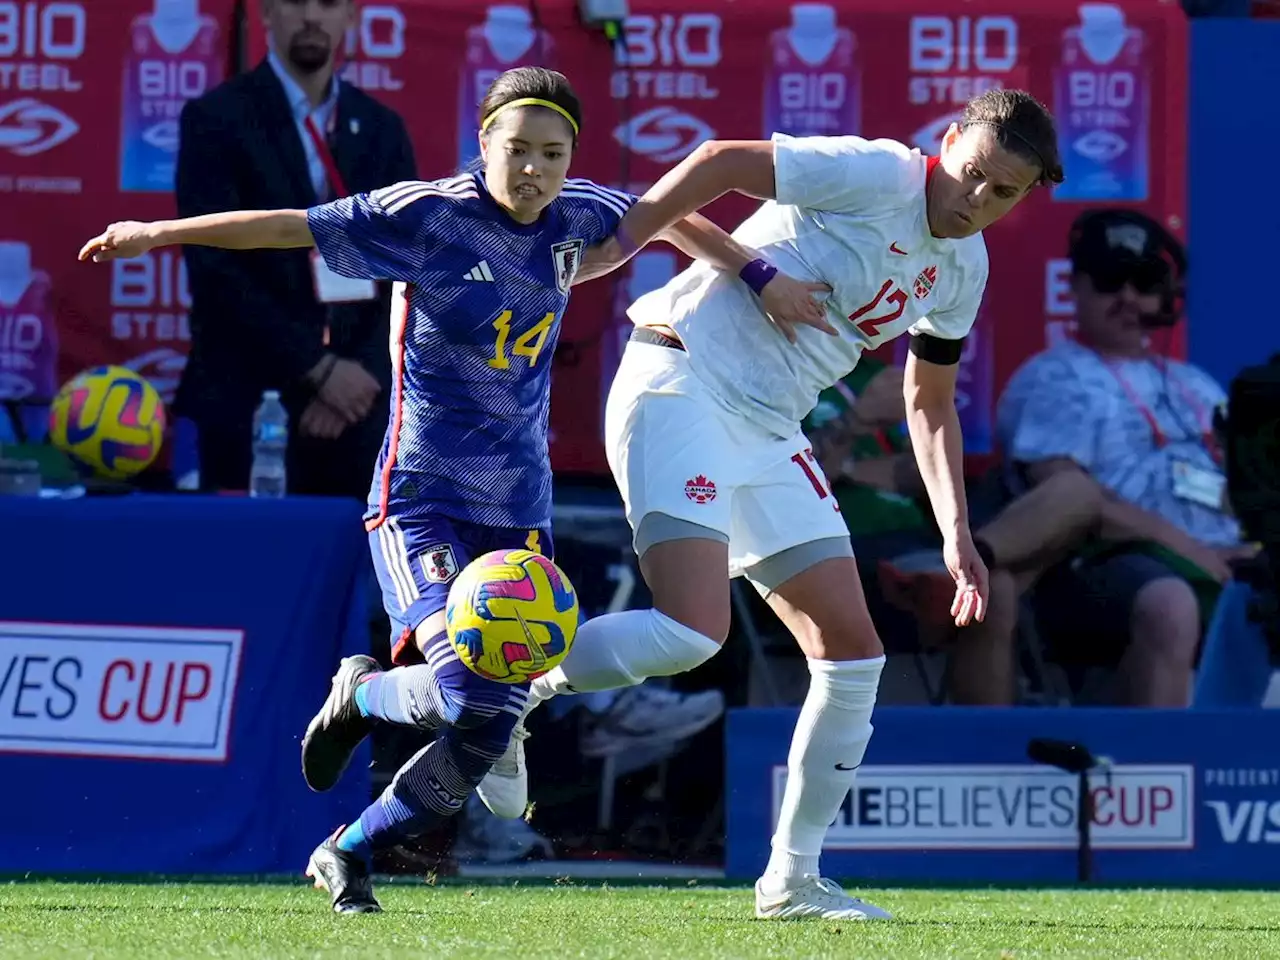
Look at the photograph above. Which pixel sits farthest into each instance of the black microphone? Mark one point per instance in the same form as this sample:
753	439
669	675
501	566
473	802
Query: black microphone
1072	758
1063	754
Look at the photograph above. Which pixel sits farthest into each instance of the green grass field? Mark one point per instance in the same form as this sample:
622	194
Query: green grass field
463	921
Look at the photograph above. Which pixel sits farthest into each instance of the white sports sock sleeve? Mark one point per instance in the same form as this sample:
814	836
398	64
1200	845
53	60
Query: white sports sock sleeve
827	747
623	649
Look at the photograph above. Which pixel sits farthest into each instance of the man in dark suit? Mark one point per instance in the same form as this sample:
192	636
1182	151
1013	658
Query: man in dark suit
288	134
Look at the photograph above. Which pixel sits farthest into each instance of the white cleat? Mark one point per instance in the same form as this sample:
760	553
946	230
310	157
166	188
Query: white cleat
816	898
505	788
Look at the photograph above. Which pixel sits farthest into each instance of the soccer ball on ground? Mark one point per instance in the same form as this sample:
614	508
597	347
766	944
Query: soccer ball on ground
512	615
109	420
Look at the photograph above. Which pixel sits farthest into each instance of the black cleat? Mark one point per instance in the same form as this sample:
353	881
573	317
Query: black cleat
334	733
344	876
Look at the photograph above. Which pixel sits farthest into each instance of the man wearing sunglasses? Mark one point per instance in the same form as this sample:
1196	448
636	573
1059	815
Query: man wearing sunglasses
1109	405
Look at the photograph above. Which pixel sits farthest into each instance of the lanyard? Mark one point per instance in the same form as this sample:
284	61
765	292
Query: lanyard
336	185
1203	418
326	158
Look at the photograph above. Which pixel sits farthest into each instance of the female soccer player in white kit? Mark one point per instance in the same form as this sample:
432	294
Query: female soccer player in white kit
703	425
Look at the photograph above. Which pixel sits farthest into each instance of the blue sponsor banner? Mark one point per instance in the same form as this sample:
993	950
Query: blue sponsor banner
160	657
948	794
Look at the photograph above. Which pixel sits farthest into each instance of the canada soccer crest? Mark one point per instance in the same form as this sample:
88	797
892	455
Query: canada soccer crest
924	283
438	563
700	489
566	257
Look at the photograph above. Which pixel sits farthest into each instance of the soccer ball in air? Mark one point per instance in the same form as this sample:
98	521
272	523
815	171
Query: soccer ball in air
109	420
512	615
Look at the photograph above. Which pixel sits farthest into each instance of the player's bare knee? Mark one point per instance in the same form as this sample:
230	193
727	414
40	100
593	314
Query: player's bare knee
1166	617
707	613
686	567
814	588
845	637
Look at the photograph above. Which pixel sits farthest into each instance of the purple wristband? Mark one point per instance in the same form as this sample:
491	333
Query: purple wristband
757	273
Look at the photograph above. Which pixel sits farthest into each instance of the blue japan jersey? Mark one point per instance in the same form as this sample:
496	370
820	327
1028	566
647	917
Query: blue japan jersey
475	317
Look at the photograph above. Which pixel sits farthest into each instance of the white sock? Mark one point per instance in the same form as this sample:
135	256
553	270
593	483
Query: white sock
623	649
831	736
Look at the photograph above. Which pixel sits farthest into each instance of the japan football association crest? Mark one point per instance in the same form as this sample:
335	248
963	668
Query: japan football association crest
566	258
924	283
438	563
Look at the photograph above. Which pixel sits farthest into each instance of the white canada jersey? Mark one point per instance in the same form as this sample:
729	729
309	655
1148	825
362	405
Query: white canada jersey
850	213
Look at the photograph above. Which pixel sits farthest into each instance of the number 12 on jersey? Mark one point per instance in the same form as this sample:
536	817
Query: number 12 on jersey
893	305
528	344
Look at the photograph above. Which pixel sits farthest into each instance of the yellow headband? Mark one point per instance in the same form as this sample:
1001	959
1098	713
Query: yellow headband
530	102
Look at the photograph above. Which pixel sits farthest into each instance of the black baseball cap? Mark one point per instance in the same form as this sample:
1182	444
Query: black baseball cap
1118	246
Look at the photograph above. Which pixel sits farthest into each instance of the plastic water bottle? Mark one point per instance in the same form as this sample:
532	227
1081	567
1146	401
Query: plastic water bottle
270	443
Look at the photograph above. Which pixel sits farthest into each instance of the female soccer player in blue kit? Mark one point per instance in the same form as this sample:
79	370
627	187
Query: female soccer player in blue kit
482	266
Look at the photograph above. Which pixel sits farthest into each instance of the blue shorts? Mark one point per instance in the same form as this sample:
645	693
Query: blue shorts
417	559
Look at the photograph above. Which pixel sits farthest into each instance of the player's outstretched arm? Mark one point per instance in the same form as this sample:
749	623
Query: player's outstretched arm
233	230
929	389
712	170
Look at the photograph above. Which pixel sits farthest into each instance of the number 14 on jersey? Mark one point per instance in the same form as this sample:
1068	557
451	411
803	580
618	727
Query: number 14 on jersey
528	344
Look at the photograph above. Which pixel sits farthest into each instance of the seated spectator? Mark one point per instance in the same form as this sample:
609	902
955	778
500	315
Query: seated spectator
1110	406
859	439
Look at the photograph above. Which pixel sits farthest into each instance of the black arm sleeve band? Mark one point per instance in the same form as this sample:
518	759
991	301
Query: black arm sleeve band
936	350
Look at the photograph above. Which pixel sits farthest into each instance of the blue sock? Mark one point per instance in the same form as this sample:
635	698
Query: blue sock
368	693
353	840
430	788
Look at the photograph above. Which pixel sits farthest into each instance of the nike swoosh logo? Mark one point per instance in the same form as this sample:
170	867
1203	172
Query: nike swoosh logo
841	766
537	656
894	248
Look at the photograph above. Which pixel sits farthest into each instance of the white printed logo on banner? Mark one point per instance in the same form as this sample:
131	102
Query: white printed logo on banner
663	134
111	691
1009	807
38	41
1247	821
162	367
665	57
372	45
954	59
39	44
151	298
29	127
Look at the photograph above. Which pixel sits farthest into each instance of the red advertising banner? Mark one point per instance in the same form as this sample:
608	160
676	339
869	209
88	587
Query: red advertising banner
90	94
680	73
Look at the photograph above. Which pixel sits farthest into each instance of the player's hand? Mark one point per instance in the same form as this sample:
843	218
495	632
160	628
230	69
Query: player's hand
321	421
791	303
1215	561
971	577
600	259
349	389
121	241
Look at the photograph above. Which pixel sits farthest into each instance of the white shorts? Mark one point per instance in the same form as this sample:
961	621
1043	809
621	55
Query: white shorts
676	453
